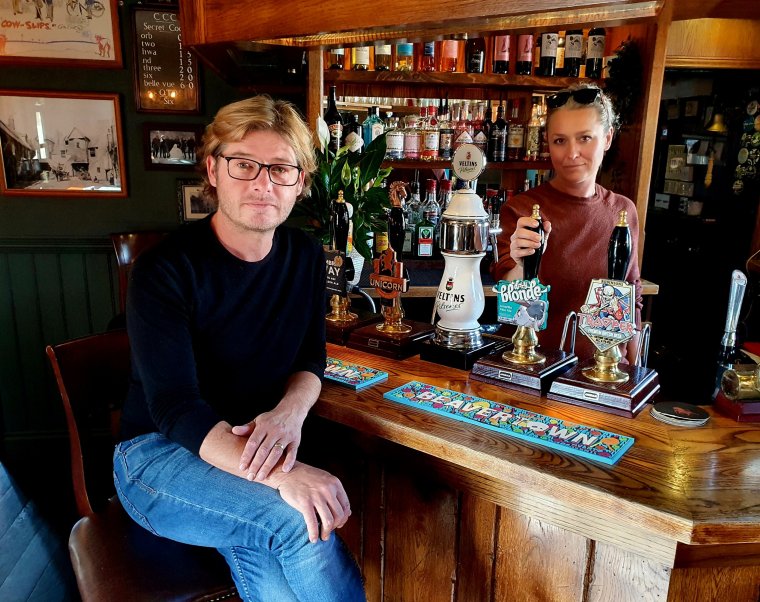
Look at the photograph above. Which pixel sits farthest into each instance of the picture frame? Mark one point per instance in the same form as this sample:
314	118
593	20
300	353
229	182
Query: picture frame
166	73
60	33
171	146
61	144
191	201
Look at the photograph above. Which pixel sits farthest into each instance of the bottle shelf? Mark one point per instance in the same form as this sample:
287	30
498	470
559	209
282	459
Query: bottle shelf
446	164
437	78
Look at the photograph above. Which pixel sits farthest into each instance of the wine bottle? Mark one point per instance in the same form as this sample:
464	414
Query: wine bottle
501	54
334	121
382	57
335	58
524	54
573	52
595	52
548	61
360	58
560	69
531	263
729	353
619	249
475	55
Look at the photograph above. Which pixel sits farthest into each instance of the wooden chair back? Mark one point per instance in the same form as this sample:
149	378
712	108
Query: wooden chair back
92	374
128	246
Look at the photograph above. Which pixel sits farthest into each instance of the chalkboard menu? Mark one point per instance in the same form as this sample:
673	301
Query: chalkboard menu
166	73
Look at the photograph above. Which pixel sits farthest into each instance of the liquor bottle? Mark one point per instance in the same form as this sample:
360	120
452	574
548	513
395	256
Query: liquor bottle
352	134
475	55
373	126
382	57
497	142
412	217
334	121
430	135
729	353
595	52
560	69
445	195
487	125
405	57
335	58
412	142
479	136
360	58
619	249
524	54
449	55
573	52
445	133
394	141
542	137
425	228
515	133
427	63
533	137
462	131
531	263
501	54
548	61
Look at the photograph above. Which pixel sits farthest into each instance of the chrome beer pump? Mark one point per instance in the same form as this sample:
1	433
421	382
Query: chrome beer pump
464	236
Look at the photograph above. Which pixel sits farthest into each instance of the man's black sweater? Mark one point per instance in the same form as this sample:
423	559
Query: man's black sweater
214	337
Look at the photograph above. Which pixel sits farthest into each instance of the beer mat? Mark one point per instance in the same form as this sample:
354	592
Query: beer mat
679	414
576	439
352	375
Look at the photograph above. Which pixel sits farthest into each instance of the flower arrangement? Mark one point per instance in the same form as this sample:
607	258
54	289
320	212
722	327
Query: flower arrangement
361	177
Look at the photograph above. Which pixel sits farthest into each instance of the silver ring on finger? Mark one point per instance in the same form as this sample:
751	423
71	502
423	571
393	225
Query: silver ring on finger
280	445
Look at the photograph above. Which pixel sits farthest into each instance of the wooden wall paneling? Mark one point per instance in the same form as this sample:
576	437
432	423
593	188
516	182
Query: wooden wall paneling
373	523
11	387
734	584
421	521
476	550
102	293
537	561
616	574
50	291
714	44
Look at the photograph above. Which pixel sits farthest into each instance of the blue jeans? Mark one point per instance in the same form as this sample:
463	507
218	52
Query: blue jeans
174	494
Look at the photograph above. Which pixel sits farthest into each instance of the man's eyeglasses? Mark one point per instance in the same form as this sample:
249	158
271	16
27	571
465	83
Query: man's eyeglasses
584	96
242	168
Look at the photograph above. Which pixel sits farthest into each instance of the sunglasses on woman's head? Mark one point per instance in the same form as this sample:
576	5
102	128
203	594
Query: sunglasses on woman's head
584	96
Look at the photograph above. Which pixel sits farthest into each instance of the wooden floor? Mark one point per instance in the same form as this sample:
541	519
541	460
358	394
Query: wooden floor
34	560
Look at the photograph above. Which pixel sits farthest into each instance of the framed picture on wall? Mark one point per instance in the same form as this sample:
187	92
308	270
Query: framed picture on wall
193	204
62	33
171	145
61	144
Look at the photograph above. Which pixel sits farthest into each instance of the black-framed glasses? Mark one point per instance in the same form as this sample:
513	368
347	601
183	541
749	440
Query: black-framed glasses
243	168
584	96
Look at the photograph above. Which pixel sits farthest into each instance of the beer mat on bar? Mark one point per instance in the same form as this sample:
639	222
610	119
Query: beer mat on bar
679	414
352	375
576	439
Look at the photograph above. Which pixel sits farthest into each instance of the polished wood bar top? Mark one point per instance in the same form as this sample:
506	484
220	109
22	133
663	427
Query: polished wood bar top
676	484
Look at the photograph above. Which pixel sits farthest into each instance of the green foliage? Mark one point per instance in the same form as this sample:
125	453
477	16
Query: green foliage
624	83
360	177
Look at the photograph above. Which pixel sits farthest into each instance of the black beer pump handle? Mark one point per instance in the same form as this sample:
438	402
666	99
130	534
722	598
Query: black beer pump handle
619	250
340	224
531	263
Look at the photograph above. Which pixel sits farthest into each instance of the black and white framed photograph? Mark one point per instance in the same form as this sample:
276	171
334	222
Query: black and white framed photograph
170	146
193	204
61	144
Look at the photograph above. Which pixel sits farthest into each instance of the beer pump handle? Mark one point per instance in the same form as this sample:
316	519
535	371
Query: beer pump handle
729	352
531	263
619	249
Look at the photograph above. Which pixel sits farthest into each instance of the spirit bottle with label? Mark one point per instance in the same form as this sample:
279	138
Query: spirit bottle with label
382	57
334	121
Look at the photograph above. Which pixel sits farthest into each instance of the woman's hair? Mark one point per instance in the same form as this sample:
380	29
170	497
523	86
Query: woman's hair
235	121
602	104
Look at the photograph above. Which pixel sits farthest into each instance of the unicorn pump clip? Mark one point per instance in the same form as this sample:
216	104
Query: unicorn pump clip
524	303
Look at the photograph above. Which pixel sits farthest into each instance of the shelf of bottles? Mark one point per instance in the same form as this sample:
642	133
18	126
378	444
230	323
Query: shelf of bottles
446	164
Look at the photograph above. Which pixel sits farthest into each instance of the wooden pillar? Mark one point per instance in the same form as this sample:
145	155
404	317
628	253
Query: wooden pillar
315	89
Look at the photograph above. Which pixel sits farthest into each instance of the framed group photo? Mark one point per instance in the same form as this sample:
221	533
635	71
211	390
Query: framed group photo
61	144
171	146
193	204
65	33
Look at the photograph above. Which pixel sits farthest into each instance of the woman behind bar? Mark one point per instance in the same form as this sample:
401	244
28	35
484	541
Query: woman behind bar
578	213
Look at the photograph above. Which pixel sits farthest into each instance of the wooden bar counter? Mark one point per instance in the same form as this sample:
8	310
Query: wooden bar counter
443	510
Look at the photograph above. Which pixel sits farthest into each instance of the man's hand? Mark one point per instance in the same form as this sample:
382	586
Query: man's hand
317	495
277	433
